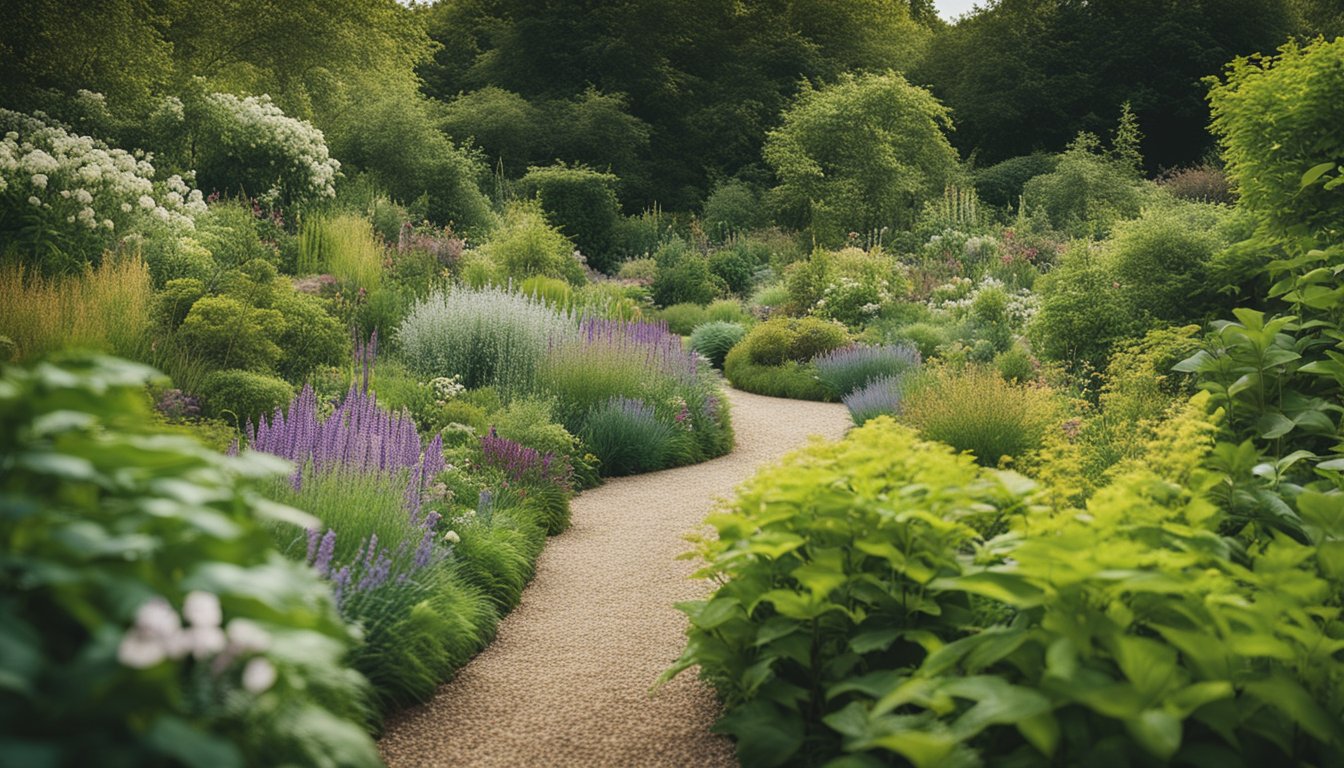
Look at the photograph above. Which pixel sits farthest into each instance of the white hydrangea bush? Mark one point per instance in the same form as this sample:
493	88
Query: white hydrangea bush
67	198
256	149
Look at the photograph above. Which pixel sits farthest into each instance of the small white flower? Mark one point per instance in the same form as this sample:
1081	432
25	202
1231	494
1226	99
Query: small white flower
205	641
201	609
140	650
451	537
83	196
125	207
258	676
247	636
107	224
147	202
32	200
158	618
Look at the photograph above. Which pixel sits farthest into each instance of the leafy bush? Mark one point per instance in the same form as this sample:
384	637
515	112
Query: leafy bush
727	311
848	369
106	309
714	339
582	204
925	337
65	198
1001	184
644	270
531	422
733	208
687	279
487	337
227	333
851	285
627	437
828	591
244	396
311	337
125	535
555	292
1083	313
775	342
859	155
1204	183
975	410
735	268
1016	365
791	379
1087	192
1161	261
683	318
524	246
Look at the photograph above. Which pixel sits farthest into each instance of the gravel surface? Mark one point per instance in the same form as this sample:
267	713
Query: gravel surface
567	680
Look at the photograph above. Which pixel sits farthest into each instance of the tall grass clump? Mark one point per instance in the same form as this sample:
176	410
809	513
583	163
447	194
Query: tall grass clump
879	397
974	409
344	246
715	339
487	337
628	437
105	309
849	369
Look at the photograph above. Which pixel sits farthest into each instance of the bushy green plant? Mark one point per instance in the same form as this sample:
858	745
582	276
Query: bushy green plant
1083	313
525	245
687	279
848	369
683	318
735	268
733	208
727	311
974	409
775	342
715	339
531	422
642	270
628	437
344	246
1001	184
311	337
243	396
581	203
1088	192
926	337
230	334
487	337
828	575
553	291
1016	365
791	379
146	618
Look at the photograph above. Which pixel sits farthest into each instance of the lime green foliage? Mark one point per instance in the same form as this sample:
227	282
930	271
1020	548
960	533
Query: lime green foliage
683	318
532	422
103	309
230	334
829	574
642	270
1016	365
581	203
776	341
1131	634
555	292
243	396
859	155
1083	312
685	277
1088	192
974	409
344	246
524	245
715	339
926	337
1276	120
105	524
850	285
727	311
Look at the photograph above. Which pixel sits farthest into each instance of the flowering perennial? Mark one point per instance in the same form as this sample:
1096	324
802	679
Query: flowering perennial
522	464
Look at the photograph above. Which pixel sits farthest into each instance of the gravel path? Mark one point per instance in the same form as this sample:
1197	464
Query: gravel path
566	681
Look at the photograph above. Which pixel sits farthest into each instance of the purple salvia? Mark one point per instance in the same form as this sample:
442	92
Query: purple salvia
314	535
325	552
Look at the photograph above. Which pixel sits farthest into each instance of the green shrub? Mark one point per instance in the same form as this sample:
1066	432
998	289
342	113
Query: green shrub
687	279
734	268
1016	365
531	422
311	338
791	379
582	203
1088	192
175	258
733	208
556	293
1083	313
775	342
715	339
845	370
827	569
644	270
927	337
226	333
628	437
524	245
116	534
974	409
172	304
1161	261
244	396
1001	184
682	319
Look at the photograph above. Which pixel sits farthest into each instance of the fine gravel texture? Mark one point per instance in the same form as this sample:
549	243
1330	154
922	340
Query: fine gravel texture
567	680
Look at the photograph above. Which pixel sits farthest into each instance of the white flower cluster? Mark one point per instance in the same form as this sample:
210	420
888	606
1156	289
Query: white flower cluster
158	635
956	298
446	388
86	183
255	124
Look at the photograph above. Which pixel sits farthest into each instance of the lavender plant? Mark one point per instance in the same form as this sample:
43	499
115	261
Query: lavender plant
879	397
849	369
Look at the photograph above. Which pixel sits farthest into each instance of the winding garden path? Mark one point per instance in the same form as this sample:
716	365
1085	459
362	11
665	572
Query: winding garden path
566	681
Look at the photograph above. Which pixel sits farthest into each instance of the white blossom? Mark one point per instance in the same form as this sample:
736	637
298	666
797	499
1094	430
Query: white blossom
258	675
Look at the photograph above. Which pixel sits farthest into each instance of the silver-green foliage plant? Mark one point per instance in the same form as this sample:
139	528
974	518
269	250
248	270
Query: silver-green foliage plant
145	618
713	340
488	337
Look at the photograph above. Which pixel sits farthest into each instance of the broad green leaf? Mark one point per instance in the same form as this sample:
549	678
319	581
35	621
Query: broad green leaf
717	612
1190	698
1289	697
922	748
1157	730
1041	731
178	739
766	734
1005	587
1315	172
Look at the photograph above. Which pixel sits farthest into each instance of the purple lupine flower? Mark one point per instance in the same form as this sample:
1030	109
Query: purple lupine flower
325	552
340	581
314	535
